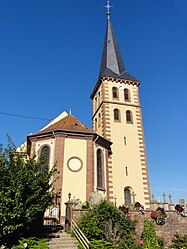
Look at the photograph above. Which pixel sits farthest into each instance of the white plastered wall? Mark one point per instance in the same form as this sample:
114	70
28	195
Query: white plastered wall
74	182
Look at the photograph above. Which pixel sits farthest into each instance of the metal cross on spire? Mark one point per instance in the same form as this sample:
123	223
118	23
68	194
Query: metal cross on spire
108	6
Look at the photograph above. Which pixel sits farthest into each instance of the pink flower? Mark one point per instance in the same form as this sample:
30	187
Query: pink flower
129	216
140	242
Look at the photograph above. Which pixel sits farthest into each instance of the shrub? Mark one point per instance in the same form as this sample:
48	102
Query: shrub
150	239
106	222
161	243
100	244
32	243
124	209
179	242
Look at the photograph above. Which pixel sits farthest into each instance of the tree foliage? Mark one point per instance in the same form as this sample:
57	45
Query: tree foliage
106	222
24	193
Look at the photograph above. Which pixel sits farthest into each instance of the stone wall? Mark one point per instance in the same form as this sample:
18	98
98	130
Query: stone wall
175	223
78	213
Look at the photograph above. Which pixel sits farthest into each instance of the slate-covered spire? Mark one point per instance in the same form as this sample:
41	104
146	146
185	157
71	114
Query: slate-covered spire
112	64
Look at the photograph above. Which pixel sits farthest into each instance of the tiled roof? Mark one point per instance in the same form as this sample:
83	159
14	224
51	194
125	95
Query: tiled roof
68	123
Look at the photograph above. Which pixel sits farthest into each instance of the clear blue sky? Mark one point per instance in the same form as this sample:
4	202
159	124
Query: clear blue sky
50	53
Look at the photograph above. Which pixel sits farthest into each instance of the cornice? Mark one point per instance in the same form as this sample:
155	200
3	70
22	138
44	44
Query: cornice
117	80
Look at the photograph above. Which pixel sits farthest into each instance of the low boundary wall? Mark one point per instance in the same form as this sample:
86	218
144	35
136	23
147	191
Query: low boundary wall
175	223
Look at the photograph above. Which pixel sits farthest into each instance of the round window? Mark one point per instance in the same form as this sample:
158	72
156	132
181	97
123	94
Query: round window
75	164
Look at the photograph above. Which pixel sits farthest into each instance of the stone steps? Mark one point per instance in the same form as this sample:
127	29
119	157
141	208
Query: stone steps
63	240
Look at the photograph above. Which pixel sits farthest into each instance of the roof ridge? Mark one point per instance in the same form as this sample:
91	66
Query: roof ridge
69	122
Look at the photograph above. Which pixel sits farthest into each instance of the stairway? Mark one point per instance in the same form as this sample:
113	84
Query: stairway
63	240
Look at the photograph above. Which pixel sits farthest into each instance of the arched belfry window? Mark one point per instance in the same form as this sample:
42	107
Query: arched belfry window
116	114
114	92
126	94
45	152
129	118
99	169
127	197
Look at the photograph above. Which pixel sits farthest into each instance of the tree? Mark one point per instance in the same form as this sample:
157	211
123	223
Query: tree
106	222
25	193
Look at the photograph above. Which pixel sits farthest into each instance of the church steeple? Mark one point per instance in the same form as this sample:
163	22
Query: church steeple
117	116
112	64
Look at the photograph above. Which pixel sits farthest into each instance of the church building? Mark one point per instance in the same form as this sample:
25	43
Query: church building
110	158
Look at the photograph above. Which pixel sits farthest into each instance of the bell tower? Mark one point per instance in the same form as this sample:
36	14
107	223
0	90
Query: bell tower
117	116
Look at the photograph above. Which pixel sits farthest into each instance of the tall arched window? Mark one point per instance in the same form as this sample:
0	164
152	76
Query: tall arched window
126	94
99	169
114	92
45	156
127	197
116	115
129	118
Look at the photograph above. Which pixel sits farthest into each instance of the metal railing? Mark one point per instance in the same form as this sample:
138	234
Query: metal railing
80	235
52	216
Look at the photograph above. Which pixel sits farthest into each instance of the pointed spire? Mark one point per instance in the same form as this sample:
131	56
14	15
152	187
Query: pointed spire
112	64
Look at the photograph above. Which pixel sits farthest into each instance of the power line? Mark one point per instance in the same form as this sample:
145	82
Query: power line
22	116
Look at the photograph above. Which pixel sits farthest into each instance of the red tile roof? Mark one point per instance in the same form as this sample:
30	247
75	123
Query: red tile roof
68	123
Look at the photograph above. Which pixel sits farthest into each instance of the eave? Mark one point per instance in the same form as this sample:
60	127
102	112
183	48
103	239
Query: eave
117	80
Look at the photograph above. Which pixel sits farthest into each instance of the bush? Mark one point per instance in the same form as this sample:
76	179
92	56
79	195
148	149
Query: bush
32	243
179	242
100	244
149	236
161	243
106	222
